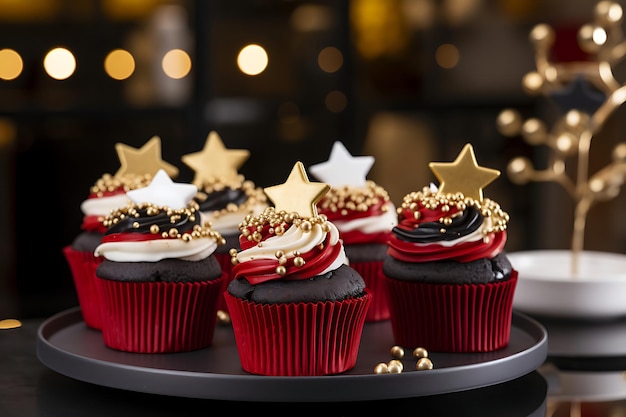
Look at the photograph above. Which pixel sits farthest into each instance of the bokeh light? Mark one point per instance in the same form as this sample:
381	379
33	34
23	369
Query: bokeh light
119	64
59	63
176	63
11	64
252	59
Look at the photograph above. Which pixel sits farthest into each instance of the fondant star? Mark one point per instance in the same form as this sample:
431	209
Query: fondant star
463	175
163	192
297	194
579	95
342	168
146	160
215	161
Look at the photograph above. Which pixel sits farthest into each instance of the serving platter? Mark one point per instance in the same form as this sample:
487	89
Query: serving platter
66	345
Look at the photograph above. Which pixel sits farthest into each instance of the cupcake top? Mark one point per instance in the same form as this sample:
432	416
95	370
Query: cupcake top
453	221
224	196
137	168
160	221
359	208
289	241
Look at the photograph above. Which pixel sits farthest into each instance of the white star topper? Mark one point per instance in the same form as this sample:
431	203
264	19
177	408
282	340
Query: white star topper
343	169
163	192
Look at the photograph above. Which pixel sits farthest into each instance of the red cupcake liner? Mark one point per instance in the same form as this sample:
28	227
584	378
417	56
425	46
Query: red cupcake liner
227	266
298	339
372	273
452	318
83	268
159	317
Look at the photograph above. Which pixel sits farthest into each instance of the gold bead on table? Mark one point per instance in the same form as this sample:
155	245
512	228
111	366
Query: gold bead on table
395	366
397	352
381	368
424	364
420	352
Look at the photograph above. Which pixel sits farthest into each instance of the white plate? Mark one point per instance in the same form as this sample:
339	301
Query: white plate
547	286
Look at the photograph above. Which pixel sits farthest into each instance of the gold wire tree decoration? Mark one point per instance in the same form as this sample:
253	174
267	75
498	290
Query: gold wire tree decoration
588	95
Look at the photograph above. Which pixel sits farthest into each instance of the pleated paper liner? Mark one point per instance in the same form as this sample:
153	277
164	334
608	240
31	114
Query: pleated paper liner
298	339
227	266
159	317
83	268
372	273
452	318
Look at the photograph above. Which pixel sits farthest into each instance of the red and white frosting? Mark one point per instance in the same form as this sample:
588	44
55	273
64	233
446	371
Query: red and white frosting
361	214
106	195
284	246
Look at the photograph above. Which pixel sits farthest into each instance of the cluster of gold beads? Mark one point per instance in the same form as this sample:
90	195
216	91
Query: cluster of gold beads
345	198
447	202
396	366
252	225
191	211
127	182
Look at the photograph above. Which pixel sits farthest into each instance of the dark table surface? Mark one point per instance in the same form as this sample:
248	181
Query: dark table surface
29	388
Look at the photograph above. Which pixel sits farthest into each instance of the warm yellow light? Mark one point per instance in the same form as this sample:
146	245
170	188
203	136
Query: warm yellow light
176	63
11	64
59	63
119	64
252	60
330	59
336	101
10	324
447	56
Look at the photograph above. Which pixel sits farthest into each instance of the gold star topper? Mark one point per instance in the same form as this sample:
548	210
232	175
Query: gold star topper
146	160
215	161
464	175
297	194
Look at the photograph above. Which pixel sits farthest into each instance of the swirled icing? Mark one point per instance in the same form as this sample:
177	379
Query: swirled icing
148	233
107	194
278	245
434	227
361	214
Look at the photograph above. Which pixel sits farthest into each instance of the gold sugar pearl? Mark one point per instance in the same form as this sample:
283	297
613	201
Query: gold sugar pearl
223	317
381	368
424	364
397	352
281	270
395	366
232	252
298	261
420	352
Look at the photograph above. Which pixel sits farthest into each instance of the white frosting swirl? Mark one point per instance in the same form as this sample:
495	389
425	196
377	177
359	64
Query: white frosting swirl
372	224
156	250
102	206
295	239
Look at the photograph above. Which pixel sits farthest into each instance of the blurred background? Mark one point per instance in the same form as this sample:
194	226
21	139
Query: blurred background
407	81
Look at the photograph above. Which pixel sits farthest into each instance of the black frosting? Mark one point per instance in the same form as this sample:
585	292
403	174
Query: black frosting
340	284
217	200
467	222
146	219
450	272
166	270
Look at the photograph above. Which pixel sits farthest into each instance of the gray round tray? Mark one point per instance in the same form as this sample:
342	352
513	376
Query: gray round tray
66	345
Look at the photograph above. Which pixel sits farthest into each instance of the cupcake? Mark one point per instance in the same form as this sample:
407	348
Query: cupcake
108	193
450	282
297	308
224	196
364	215
159	279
